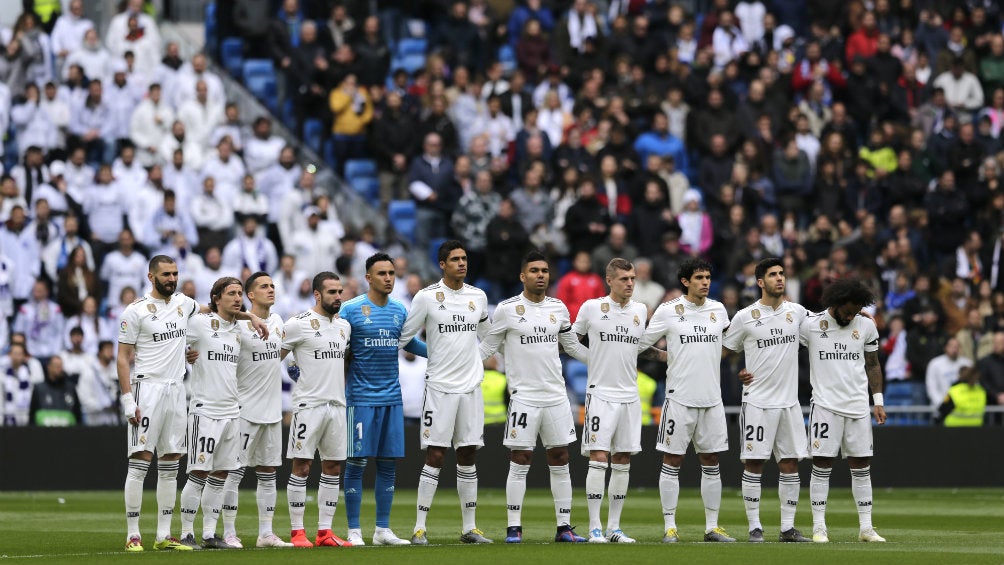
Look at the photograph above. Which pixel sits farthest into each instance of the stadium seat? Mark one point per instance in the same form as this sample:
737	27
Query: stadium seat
507	56
259	78
329	153
288	116
367	187
232	55
901	394
210	23
360	168
576	376
313	134
410	63
401	214
412	46
434	245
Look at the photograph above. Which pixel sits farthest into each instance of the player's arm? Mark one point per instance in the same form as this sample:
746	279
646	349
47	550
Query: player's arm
418	347
570	343
484	324
415	320
129	408
873	368
257	323
494	337
654	354
656	329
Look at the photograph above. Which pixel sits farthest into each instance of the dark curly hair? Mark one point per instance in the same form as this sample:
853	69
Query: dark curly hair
847	291
689	267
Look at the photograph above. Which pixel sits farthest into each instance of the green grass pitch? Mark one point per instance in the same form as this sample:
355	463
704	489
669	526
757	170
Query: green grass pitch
938	526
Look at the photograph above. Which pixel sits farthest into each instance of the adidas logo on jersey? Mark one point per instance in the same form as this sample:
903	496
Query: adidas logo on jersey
521	320
442	307
758	324
317	334
604	317
367	321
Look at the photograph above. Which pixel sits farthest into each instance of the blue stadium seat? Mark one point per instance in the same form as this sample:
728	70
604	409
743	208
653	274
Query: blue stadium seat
329	153
412	46
507	56
313	134
401	214
409	63
288	116
576	376
232	55
434	245
901	394
210	23
259	78
360	168
367	187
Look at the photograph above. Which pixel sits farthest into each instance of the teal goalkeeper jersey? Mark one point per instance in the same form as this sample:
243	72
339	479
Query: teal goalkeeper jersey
373	373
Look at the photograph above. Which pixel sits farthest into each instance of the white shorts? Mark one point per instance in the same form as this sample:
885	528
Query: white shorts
212	444
456	420
763	431
261	444
163	410
830	433
684	424
524	423
614	427
319	429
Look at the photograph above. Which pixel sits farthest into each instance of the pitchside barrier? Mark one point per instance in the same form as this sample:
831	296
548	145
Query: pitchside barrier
83	458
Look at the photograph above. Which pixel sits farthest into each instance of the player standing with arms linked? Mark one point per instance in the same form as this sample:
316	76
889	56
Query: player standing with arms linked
771	419
454	316
319	340
611	434
693	325
152	329
843	366
259	387
373	390
214	409
529	328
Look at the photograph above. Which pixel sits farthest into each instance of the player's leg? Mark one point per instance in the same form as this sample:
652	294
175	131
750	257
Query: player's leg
267	457
754	450
360	419
247	438
626	441
138	466
171	446
300	449
390	448
710	439
198	473
857	444
789	447
557	430
675	430
515	492
595	444
468	437
439	412
220	459
331	448
825	435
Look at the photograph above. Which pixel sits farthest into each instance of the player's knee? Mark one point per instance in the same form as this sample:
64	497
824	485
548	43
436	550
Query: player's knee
756	466
708	459
143	456
557	456
599	456
858	462
467	455
787	466
434	457
521	457
300	467
331	467
168	457
672	459
199	474
621	458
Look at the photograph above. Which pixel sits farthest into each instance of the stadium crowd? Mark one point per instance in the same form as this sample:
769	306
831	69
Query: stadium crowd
850	138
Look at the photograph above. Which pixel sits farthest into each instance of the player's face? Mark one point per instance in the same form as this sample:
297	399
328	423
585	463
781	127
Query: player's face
773	282
621	285
165	279
698	285
536	277
263	292
845	313
455	266
330	297
229	303
381	277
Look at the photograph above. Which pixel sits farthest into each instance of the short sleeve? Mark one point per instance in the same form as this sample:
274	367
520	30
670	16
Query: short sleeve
581	325
803	332
871	336
129	326
735	334
293	335
190	305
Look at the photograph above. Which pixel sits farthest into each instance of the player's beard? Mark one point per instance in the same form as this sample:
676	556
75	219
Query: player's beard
333	308
165	289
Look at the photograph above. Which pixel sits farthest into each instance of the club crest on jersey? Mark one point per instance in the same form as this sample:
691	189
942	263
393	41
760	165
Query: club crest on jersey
341	333
755	314
470	305
440	296
552	319
713	318
513	434
855	335
604	307
824	325
520	309
637	321
151	308
215	324
202	458
123	325
426	434
181	313
592	438
142	439
679	310
749	447
788	317
315	325
365	310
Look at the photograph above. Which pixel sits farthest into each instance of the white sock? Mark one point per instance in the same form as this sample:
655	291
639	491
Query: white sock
191	498
327	500
861	488
296	495
265	493
133	490
167	495
212	500
787	490
515	491
561	490
819	491
669	493
751	499
711	494
428	481
596	478
620	474
467	489
229	511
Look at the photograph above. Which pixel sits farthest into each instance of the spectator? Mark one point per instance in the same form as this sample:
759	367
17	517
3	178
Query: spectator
507	242
123	268
150	124
41	321
212	216
21	374
991	369
313	245
353	110
579	284
431	185
191	154
975	342
98	390
646	290
34	126
524	12
54	401
470	222
183	83
534	207
660	142
727	40
250	250
393	141
963	92
616	245
201	115
227	169
533	50
863	42
95	328
169	221
696	231
587	220
68	32
792	177
250	202
76	282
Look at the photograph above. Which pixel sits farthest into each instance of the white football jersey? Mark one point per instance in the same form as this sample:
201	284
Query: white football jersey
837	362
770	339
614	335
214	375
453	321
694	347
319	344
158	328
529	333
259	372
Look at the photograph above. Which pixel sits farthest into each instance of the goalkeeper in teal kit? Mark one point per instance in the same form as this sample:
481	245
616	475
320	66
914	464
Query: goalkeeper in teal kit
375	415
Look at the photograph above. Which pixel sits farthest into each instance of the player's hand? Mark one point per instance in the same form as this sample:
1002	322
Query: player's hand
259	326
294	372
745	376
129	408
879	412
191	356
